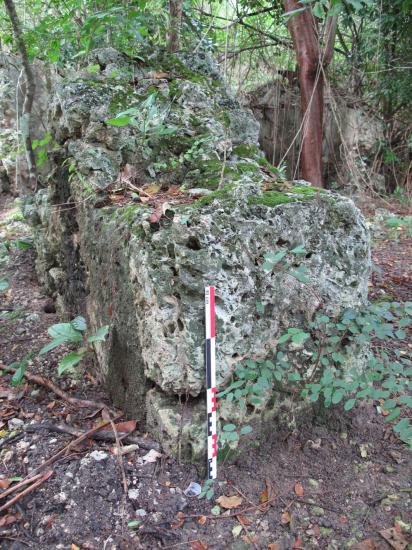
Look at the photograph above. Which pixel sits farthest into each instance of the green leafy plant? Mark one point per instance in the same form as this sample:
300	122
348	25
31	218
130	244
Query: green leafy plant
148	117
398	224
4	284
207	491
20	367
73	332
40	146
328	378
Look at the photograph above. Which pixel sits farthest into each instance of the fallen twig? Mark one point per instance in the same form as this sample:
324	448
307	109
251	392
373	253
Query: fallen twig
67	447
10	490
29	489
317	504
239	512
106	416
7	440
75	401
101	435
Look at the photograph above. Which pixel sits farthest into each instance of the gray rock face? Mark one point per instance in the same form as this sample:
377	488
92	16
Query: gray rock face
142	267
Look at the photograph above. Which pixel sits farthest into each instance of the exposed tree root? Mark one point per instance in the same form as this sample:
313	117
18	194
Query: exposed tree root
75	401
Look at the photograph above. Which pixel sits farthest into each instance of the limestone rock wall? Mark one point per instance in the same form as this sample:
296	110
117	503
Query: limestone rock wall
209	210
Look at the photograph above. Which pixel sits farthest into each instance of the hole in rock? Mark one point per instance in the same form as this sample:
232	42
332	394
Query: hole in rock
282	242
180	324
234	355
173	270
193	243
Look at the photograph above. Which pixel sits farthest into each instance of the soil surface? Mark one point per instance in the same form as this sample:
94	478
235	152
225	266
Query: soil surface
342	481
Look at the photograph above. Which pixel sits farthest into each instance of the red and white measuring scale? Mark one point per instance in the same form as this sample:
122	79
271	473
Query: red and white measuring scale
211	382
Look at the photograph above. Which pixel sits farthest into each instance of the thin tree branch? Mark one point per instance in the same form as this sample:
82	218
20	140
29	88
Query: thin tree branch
25	119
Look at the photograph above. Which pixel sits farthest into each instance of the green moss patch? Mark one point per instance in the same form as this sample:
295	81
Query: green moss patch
218	194
246	151
296	194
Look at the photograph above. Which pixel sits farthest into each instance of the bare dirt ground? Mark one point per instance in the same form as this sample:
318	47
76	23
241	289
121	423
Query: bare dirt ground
342	481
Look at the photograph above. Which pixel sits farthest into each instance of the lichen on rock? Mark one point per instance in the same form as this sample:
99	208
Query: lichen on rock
142	267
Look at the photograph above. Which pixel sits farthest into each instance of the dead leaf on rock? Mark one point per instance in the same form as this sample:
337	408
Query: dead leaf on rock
285	518
298	544
273	546
74	547
198	545
394	537
299	490
229	502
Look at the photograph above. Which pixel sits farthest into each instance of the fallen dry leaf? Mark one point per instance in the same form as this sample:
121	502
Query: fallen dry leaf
202	520
229	502
125	449
151	456
285	518
264	496
151	189
299	490
394	537
242	520
74	547
154	217
51	405
273	546
179	521
159	75
367	544
126	427
8	519
198	545
4	484
298	544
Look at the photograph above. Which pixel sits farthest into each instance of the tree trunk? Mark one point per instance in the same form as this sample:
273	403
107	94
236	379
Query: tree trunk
312	63
25	118
175	11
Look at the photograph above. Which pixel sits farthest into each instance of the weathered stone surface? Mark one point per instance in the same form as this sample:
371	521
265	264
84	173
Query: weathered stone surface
142	267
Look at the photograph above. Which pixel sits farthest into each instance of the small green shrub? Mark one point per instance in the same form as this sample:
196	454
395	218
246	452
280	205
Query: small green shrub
332	344
73	332
398	224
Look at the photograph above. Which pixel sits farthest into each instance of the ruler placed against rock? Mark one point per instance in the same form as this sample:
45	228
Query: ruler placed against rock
211	382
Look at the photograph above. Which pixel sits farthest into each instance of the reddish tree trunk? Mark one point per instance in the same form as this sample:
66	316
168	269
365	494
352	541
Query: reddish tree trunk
312	65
